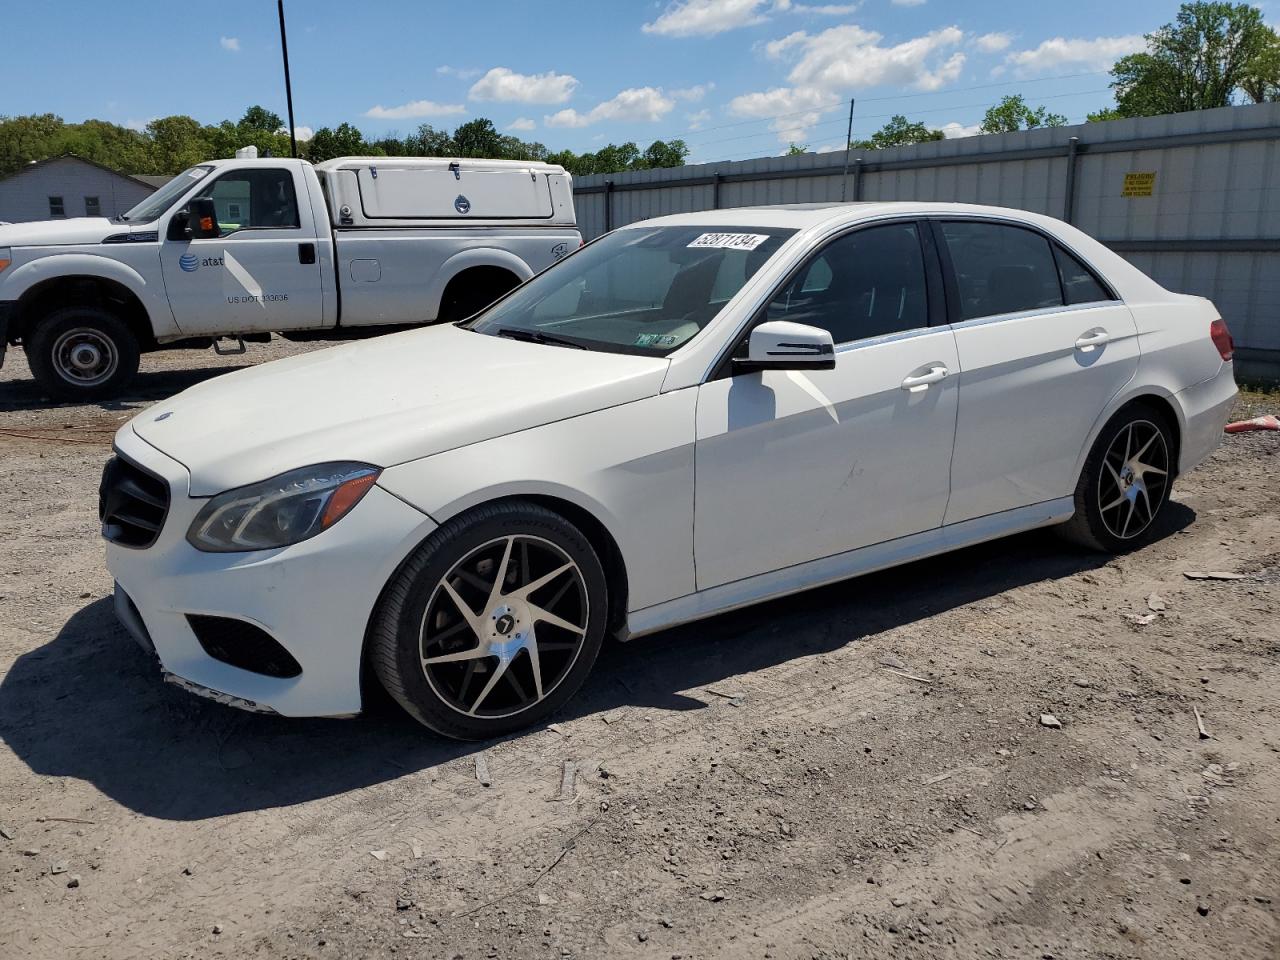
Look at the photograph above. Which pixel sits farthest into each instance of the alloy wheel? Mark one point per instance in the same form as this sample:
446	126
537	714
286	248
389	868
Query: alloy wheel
504	627
1133	480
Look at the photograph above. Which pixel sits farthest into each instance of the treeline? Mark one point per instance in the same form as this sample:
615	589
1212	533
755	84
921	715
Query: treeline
169	145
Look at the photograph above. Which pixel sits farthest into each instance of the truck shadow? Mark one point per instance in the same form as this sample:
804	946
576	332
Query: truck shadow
90	703
26	394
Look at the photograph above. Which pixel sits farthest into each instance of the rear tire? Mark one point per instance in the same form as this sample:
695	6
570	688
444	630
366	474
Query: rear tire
493	624
1125	482
82	353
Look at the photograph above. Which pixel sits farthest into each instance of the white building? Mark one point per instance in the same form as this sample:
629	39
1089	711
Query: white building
70	186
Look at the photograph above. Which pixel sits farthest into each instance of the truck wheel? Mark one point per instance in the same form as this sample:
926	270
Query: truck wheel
82	353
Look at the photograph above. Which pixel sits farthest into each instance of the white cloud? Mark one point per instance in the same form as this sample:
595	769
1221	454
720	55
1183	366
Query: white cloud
696	120
303	134
695	93
1059	53
230	43
909	3
511	87
690	18
850	57
822	9
992	42
843	58
139	125
462	73
522	123
415	108
953	130
636	103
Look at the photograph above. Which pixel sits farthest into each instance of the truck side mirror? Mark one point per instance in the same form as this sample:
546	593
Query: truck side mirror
203	219
198	220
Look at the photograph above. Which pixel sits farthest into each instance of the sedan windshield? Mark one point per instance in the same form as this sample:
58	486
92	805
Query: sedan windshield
644	290
160	201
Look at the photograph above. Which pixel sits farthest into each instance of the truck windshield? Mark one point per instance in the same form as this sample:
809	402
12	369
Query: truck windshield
643	290
160	201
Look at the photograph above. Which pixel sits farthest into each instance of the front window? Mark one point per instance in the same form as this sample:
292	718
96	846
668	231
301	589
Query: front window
254	199
644	290
160	201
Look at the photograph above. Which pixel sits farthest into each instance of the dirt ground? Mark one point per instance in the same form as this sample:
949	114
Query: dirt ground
860	771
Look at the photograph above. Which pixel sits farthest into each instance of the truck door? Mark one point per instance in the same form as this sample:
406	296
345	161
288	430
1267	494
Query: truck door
261	273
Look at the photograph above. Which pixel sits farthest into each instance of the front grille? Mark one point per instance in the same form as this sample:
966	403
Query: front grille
132	504
243	645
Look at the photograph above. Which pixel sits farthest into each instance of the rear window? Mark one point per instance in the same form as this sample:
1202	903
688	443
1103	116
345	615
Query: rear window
1001	269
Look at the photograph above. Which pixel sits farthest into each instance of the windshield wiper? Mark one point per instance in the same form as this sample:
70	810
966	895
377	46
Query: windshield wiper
537	336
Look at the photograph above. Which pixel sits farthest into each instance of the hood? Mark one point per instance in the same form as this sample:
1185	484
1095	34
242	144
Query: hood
383	401
44	233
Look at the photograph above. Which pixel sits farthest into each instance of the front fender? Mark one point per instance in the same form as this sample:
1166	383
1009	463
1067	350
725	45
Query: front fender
474	257
22	279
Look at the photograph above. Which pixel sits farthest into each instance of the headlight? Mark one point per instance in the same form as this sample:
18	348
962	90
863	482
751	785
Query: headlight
283	510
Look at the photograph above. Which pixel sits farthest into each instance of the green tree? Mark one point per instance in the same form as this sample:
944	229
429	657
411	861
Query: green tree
665	153
1106	113
177	142
898	132
25	139
1013	113
796	149
1197	62
477	138
1261	80
345	141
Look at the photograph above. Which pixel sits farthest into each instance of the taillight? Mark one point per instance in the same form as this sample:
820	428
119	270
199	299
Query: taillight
1221	338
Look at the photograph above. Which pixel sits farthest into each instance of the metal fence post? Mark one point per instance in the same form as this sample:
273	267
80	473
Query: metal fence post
608	205
857	180
715	190
1069	201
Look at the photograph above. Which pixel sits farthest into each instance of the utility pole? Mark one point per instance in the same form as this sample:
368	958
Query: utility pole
848	143
288	88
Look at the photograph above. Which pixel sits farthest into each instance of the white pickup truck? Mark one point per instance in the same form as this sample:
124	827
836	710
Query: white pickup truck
248	247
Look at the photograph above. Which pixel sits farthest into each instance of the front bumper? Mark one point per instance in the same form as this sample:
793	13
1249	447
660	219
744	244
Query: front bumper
314	598
7	310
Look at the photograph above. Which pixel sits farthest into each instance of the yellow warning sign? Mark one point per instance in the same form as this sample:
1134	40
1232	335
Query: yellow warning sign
1139	184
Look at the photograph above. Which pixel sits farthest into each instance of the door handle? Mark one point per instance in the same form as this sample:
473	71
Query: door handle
306	253
1092	340
915	384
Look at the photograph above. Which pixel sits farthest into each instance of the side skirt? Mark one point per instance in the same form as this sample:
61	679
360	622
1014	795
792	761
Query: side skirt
842	566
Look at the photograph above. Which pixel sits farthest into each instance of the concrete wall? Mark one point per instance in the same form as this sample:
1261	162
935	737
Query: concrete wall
25	195
1211	225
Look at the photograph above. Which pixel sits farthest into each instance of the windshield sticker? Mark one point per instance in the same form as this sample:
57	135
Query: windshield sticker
731	241
195	174
656	340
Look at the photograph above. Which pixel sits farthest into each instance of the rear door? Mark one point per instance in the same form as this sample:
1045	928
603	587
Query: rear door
262	273
1043	346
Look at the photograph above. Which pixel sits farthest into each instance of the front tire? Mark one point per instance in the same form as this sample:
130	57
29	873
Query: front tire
1125	482
82	353
493	624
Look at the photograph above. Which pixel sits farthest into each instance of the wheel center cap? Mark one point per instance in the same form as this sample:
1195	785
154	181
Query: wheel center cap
85	357
505	624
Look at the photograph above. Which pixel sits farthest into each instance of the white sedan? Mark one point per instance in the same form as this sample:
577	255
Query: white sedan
688	415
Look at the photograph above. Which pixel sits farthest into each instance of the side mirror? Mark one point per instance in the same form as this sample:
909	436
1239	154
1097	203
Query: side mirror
198	220
783	345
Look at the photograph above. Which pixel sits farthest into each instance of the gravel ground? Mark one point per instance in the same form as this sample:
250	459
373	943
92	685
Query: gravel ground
860	771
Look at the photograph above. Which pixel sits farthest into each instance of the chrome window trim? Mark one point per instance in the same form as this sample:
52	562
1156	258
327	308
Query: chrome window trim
1038	312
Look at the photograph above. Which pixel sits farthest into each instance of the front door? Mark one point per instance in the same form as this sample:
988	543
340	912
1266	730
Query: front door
262	273
793	466
1043	346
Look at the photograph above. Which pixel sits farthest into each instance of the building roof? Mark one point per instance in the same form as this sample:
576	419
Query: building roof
152	183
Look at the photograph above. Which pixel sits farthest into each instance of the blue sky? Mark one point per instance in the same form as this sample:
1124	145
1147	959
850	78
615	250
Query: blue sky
734	78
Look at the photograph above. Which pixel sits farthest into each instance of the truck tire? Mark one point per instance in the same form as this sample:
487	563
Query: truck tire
81	353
